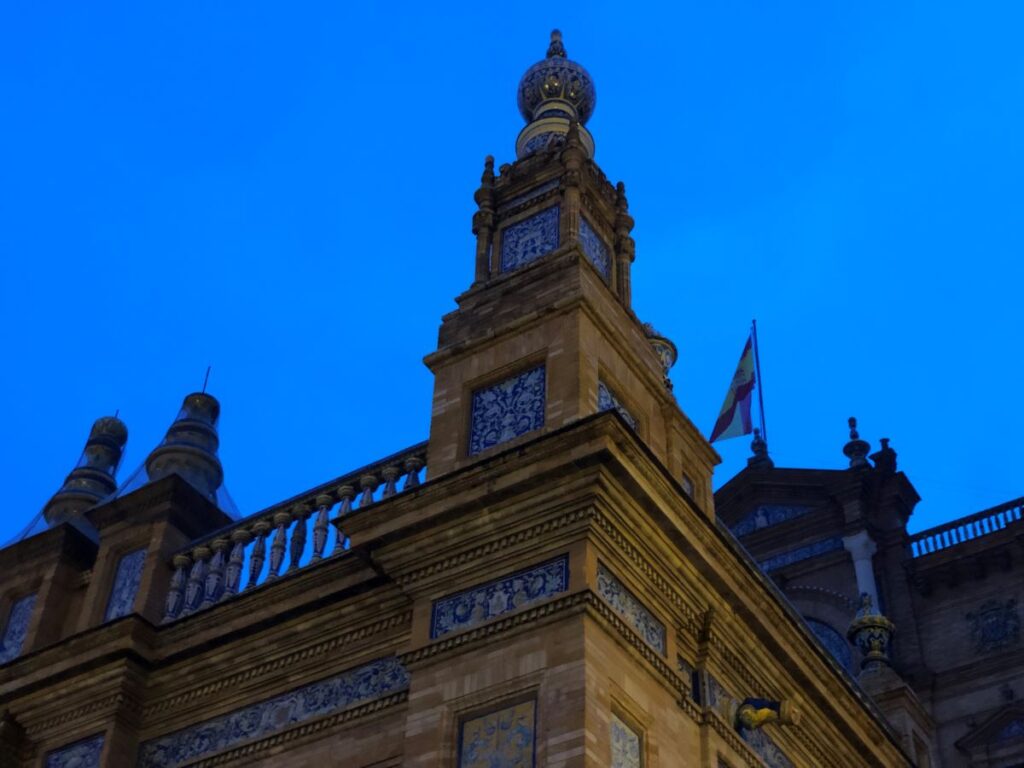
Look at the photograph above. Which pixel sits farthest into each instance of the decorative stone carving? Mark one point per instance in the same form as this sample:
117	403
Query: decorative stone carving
624	603
17	628
504	738
766	516
872	633
994	625
126	584
834	643
816	549
81	754
526	241
506	410
485	602
357	686
595	249
607	401
626	751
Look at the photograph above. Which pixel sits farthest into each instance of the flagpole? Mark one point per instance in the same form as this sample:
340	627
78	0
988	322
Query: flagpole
760	383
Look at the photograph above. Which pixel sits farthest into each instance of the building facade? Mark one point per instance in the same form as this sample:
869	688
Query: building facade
547	580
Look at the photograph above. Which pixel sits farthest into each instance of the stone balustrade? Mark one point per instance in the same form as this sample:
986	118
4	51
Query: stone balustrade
284	538
966	528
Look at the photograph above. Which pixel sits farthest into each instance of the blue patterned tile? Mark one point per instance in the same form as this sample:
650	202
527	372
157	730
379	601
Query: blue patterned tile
816	549
17	628
766	516
506	410
626	750
81	754
595	249
834	643
126	584
1011	731
482	603
624	603
500	739
357	686
526	241
607	401
766	749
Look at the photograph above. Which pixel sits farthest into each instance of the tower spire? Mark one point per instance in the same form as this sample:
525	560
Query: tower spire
92	479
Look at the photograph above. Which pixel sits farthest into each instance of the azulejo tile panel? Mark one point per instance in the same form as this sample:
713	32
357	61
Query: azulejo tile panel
82	754
482	603
766	749
504	738
994	625
624	603
506	410
626	751
526	241
816	549
595	249
16	628
357	686
766	516
126	584
607	401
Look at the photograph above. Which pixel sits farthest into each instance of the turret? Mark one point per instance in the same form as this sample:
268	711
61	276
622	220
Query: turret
93	477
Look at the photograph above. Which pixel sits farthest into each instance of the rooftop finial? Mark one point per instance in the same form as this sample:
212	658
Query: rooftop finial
885	457
93	477
556	48
856	450
760	450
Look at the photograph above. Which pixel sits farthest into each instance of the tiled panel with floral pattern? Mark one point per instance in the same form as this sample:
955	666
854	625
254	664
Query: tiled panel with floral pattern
16	628
500	739
526	241
482	603
126	584
607	401
595	249
624	603
506	410
626	752
81	754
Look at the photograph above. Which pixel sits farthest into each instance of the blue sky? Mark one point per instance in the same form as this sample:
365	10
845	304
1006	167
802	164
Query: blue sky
284	192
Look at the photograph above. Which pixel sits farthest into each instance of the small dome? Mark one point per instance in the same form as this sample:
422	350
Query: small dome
557	86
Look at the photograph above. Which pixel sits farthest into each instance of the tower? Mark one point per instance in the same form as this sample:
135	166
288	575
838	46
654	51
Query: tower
546	334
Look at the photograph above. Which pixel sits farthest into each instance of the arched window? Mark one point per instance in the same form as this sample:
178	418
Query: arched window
834	643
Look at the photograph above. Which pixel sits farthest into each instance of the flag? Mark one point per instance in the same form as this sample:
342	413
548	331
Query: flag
734	418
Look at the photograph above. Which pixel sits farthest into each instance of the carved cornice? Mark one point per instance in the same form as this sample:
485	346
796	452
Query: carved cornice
260	670
497	545
106	704
258	749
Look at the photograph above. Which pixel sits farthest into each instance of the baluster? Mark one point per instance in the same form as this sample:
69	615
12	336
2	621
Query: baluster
215	574
301	514
345	494
176	593
412	467
196	578
320	526
369	484
390	475
281	520
233	574
259	553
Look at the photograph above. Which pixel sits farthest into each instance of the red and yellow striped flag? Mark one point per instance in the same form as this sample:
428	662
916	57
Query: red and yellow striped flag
734	418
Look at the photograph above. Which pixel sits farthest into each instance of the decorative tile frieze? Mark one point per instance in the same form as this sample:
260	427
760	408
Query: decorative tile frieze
486	601
994	625
357	686
816	549
526	241
607	401
595	249
82	754
630	608
766	749
504	738
126	584
766	516
626	750
16	628
506	410
834	643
